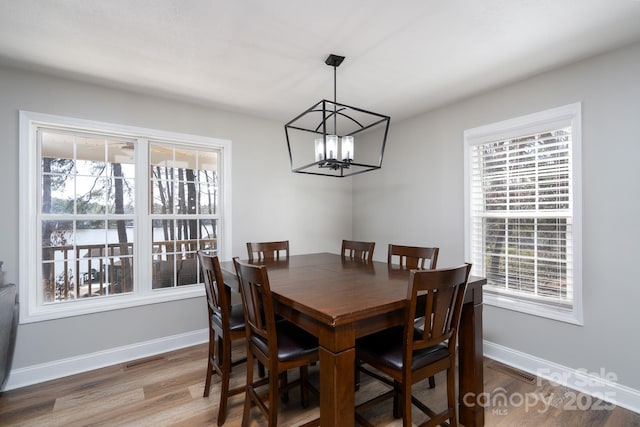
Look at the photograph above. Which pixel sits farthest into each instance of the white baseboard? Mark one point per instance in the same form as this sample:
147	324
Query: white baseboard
600	385
29	375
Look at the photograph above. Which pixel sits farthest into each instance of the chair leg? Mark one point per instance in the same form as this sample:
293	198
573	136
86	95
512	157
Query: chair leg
397	400
451	396
207	383
246	413
210	362
406	404
274	391
304	391
226	374
432	382
284	380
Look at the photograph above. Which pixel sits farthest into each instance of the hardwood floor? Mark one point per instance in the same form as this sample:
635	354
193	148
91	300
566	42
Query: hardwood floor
167	391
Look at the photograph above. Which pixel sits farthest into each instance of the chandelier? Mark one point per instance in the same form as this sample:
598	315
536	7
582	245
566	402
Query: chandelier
334	139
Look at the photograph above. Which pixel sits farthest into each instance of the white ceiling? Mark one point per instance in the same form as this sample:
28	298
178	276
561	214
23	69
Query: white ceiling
266	57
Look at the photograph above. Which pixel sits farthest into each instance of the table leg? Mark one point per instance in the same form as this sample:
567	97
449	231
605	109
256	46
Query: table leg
337	384
470	362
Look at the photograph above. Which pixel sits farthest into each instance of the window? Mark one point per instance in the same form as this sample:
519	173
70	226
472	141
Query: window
113	216
522	212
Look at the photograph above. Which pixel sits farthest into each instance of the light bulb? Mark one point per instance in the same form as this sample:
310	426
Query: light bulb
347	148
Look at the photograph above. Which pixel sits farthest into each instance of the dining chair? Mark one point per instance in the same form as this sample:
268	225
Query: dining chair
409	257
405	355
279	346
413	256
226	324
360	251
268	251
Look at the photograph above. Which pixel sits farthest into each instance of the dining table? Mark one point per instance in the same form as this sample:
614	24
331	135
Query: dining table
339	300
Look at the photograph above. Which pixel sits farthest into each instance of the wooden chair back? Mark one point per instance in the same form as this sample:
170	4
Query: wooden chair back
360	251
258	305
413	256
441	296
268	251
217	296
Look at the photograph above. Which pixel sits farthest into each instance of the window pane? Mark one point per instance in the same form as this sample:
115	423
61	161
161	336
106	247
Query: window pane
208	195
57	188
121	194
207	178
162	177
90	152
186	161
163	254
187	200
57	171
120	246
58	262
161	196
188	271
495	251
90	197
208	235
122	153
174	254
90	238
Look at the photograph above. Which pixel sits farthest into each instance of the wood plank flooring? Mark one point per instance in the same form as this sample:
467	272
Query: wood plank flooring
166	390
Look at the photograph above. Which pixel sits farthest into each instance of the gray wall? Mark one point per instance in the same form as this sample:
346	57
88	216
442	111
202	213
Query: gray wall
417	198
269	203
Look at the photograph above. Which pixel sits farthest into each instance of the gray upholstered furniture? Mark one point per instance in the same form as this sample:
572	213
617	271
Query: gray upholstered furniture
8	328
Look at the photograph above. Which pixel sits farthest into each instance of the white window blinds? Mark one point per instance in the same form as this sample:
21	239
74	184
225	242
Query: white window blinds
521	213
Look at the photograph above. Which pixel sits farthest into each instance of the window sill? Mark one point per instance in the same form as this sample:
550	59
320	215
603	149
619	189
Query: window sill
97	305
568	315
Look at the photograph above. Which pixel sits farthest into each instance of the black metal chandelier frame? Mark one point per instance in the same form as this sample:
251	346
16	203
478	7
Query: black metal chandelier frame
333	110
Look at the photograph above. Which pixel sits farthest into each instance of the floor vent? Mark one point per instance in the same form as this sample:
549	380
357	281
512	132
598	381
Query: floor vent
513	372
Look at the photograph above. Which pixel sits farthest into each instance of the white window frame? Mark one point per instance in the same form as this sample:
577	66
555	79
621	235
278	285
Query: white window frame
143	294
568	115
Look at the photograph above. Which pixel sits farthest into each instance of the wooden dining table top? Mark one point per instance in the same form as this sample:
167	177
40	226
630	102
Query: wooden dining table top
332	289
